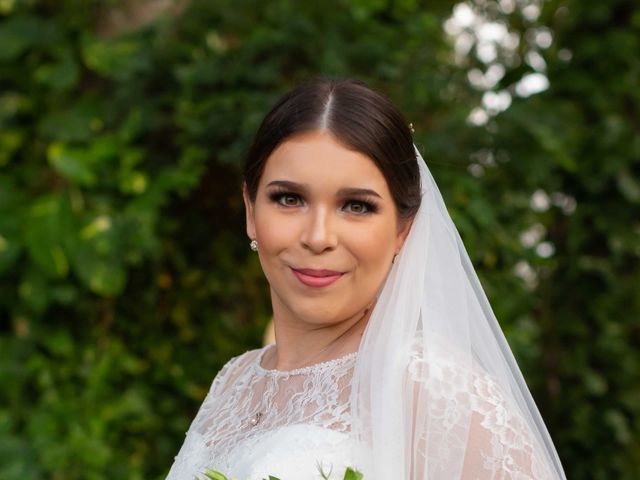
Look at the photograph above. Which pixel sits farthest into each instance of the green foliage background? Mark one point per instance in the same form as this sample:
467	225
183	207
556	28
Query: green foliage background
125	276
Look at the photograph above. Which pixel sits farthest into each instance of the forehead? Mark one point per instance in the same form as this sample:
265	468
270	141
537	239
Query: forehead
322	162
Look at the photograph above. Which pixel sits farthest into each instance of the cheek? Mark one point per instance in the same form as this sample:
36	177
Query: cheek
274	232
371	251
372	247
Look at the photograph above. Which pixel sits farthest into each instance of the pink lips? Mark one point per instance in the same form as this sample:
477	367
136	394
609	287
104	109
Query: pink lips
316	278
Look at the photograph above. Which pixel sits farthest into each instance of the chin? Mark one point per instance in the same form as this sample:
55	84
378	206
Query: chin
318	316
317	311
316	307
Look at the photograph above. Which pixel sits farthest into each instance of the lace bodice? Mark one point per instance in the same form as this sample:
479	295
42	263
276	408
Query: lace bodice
256	422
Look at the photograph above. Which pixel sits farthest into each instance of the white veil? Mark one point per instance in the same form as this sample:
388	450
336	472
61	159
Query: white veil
436	391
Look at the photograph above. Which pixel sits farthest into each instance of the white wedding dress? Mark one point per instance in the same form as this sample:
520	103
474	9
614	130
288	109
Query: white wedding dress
256	422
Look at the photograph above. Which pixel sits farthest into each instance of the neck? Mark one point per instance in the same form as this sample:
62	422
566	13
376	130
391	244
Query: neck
300	344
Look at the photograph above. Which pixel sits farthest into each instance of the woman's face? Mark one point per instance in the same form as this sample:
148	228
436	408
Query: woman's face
327	229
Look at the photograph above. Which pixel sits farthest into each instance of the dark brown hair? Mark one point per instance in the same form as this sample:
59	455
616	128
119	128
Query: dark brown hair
361	119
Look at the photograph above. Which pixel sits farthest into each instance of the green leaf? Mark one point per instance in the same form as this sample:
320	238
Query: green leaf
133	125
97	258
10	249
119	58
48	226
350	474
595	383
17	35
11	218
34	290
10	142
214	475
70	125
620	426
61	75
629	186
60	343
72	163
133	182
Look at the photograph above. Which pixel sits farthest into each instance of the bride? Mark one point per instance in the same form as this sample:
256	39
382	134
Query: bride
388	358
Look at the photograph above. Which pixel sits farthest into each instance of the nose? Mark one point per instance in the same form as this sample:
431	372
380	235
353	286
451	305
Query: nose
318	234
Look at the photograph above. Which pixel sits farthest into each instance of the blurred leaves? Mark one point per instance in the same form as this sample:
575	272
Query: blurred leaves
119	58
21	32
125	279
47	232
72	163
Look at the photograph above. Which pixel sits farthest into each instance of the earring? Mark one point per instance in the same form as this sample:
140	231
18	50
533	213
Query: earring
394	259
254	245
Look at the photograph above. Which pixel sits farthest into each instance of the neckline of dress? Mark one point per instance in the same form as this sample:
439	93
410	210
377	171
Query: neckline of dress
297	371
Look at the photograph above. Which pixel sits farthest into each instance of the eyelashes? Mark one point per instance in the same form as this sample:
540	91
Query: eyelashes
357	206
286	199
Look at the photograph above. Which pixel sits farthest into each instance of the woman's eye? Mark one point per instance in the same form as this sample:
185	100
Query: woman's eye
358	207
289	200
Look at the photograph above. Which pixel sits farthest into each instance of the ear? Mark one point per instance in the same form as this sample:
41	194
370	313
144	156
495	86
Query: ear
248	206
403	232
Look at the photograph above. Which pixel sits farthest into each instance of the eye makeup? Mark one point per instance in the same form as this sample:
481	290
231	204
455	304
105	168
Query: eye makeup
290	199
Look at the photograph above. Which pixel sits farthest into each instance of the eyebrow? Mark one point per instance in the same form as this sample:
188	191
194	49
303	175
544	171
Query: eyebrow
342	192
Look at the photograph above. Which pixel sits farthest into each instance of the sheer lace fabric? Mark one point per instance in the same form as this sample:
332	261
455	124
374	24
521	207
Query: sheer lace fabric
256	422
305	421
468	414
465	411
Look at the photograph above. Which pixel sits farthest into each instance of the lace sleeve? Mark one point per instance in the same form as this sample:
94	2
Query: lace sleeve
227	377
194	453
473	432
500	445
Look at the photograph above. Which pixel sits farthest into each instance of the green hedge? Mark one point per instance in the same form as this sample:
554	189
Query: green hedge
125	275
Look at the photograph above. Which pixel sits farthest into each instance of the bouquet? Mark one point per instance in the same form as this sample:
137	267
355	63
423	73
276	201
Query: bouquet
349	474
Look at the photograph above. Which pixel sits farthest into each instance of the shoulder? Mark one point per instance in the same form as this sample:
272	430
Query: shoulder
457	394
243	360
448	376
236	368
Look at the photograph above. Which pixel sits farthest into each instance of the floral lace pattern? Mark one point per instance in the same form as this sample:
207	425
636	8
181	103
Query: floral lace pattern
247	404
255	422
470	415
